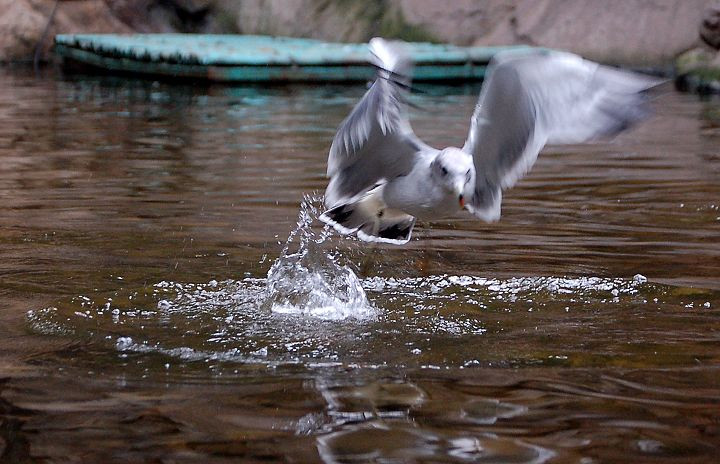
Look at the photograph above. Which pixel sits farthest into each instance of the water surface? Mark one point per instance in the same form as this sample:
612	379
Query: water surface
168	295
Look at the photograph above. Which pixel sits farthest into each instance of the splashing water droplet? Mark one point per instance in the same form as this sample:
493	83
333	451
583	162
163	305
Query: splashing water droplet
308	280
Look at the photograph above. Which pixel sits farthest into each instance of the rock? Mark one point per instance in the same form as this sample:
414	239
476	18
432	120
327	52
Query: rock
638	32
23	22
650	32
463	24
710	27
634	32
164	15
333	21
698	71
21	26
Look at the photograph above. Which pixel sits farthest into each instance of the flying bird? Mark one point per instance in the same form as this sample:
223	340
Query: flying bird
383	177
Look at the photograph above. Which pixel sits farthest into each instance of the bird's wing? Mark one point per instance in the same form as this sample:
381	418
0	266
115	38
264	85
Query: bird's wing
375	141
531	98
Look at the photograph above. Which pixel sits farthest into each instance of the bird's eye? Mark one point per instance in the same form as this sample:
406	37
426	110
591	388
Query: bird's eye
444	171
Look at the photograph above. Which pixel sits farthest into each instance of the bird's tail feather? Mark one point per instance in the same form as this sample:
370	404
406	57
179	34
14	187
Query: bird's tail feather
368	217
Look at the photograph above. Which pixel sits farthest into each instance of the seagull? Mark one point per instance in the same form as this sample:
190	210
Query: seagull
383	177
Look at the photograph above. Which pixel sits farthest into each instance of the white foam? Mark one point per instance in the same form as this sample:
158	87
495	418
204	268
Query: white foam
509	287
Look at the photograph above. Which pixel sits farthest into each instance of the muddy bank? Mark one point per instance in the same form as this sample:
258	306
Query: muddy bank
651	32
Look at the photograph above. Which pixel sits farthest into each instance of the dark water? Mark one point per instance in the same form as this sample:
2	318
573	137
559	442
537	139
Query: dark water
139	222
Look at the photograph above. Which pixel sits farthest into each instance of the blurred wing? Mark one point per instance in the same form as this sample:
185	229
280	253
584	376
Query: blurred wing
536	97
375	142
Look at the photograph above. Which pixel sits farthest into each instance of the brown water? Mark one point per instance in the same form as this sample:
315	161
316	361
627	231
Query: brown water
139	221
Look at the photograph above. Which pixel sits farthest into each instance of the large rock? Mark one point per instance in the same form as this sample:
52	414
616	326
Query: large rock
698	70
710	27
617	31
165	15
22	23
335	21
614	31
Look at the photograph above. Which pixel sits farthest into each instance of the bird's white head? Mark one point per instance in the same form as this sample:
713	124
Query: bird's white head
452	169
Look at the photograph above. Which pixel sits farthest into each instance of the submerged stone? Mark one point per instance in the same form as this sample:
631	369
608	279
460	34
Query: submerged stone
698	71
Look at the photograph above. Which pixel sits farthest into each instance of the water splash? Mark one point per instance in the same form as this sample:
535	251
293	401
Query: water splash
306	279
437	321
306	311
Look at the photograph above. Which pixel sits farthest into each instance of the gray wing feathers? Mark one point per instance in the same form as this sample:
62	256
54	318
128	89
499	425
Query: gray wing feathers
375	142
502	130
380	113
538	97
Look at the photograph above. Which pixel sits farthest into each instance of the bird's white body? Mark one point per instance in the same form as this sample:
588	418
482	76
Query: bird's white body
427	192
382	176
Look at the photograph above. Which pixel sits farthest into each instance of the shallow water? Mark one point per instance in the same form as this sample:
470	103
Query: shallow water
168	295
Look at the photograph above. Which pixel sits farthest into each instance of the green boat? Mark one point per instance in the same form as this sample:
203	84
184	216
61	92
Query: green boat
248	58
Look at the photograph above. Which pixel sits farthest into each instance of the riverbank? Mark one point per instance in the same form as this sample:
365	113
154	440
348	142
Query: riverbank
638	33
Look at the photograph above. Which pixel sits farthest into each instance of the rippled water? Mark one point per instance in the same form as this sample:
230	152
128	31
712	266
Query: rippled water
169	294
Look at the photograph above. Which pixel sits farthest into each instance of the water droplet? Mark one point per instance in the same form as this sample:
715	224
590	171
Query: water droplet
307	279
123	343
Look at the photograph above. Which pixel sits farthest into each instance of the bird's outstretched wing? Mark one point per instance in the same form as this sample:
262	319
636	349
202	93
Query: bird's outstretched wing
375	141
531	98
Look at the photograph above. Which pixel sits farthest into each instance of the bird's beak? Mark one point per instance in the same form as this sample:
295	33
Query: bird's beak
461	198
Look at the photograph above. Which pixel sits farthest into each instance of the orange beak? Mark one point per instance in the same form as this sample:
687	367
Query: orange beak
461	200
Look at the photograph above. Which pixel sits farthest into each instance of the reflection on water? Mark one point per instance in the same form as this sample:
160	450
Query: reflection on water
156	307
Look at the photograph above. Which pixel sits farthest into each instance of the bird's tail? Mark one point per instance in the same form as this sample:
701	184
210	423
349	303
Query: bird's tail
370	219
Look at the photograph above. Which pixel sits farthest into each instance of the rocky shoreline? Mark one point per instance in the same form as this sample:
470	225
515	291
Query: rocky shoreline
639	33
